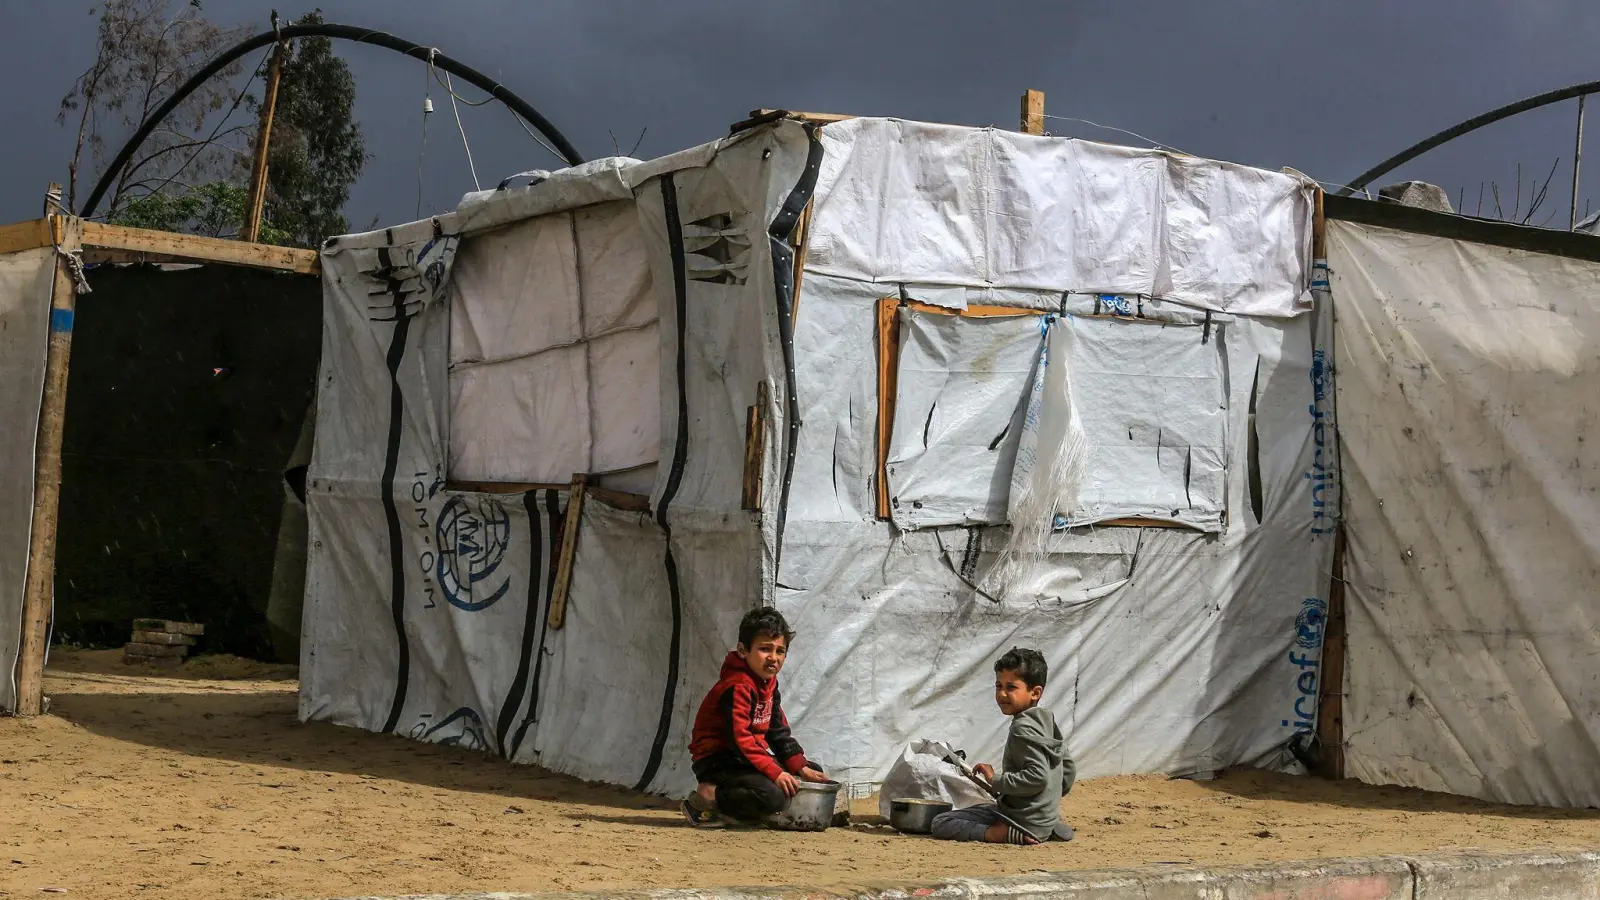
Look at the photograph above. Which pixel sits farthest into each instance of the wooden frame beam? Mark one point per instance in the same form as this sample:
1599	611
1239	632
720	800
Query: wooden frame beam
26	236
815	118
163	246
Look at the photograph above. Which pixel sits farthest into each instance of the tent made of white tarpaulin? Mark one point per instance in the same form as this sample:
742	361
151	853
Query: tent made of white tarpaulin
787	366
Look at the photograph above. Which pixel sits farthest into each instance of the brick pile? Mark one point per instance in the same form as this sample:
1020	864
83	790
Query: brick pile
160	642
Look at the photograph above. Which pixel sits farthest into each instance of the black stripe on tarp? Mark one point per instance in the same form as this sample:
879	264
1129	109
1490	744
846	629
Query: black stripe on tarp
778	234
680	452
552	505
1573	245
391	512
530	624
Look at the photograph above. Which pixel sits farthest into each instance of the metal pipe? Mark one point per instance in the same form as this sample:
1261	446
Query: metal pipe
343	32
1470	125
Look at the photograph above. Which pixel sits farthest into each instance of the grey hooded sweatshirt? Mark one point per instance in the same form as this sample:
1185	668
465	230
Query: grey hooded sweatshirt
1035	773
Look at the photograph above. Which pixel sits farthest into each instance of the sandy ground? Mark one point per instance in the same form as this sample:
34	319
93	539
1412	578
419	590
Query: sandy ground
145	786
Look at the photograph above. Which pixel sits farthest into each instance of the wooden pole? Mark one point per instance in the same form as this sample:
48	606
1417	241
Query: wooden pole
1033	112
39	599
258	172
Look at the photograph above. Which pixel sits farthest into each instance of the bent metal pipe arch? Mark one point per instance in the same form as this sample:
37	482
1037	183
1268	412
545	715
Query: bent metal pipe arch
1467	127
344	32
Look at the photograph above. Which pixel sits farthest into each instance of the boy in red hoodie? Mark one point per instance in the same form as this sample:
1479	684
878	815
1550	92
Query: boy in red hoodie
747	762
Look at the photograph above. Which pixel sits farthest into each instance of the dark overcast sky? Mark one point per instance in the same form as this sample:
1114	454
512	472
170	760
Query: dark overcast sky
1327	88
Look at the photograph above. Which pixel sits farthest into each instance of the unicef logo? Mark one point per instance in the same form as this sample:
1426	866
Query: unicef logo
1308	625
472	542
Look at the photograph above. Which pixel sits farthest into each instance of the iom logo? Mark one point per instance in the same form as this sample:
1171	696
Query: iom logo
462	728
472	542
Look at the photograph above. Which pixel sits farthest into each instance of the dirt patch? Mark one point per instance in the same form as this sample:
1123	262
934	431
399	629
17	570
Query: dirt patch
141	785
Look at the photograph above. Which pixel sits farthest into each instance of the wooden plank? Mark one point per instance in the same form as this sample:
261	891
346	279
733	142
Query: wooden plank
888	382
569	549
1033	112
39	591
1330	700
755	449
193	248
818	118
801	233
974	312
1139	522
25	236
619	499
1319	230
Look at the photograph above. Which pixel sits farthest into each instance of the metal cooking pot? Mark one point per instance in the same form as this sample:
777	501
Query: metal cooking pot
915	816
810	809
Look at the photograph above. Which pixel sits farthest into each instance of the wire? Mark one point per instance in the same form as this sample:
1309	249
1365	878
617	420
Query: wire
1136	134
537	138
427	109
459	127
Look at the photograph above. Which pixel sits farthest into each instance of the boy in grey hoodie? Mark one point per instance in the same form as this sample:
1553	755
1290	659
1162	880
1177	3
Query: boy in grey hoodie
1035	773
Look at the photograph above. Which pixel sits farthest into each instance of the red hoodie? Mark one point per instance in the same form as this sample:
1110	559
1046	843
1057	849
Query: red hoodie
744	714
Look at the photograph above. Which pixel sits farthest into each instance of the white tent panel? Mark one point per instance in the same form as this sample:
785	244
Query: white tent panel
1465	396
910	202
554	350
26	279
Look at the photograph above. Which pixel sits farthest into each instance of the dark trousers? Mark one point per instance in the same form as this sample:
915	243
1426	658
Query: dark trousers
743	793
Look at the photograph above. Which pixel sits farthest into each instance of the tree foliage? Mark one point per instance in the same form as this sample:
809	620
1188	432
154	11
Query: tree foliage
145	50
317	149
192	173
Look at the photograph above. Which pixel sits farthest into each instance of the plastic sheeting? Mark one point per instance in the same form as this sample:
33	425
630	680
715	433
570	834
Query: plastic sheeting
937	204
26	280
554	345
1466	400
1171	650
427	608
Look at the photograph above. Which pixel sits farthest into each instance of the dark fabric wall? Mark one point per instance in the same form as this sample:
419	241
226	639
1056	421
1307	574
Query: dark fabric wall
185	398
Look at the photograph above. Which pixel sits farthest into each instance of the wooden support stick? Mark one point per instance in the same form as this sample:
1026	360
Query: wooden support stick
755	448
1033	112
888	383
569	549
1330	702
38	600
1319	229
251	231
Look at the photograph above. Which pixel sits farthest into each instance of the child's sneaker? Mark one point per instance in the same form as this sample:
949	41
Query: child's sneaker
698	816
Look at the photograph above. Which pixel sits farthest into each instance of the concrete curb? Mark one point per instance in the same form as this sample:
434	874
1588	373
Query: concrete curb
1466	875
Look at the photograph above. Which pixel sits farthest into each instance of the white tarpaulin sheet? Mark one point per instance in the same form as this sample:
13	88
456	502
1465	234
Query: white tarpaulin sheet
1171	650
25	282
1466	383
910	202
554	344
427	608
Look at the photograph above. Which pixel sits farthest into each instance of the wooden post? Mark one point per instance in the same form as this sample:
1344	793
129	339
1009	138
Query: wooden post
1330	703
251	231
1033	112
569	550
755	448
39	597
888	384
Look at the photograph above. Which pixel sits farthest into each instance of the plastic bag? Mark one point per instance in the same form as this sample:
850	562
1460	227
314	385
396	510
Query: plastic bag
922	773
